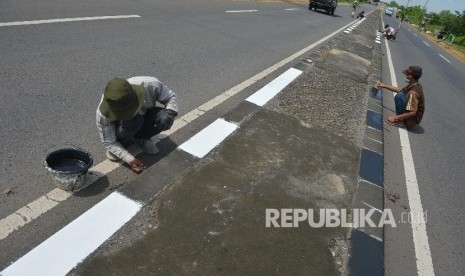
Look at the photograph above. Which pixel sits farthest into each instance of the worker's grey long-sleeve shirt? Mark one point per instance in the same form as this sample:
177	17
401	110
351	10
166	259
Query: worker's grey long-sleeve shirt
155	91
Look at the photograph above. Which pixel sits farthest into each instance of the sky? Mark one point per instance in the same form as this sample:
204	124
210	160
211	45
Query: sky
435	5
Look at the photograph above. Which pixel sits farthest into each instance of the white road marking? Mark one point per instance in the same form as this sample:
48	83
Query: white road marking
372	139
426	43
444	58
372	207
415	34
262	96
8	225
207	139
243	11
420	237
31	211
61	20
73	243
293	9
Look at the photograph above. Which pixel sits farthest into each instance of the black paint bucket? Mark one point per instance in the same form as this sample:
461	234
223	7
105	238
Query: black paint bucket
68	168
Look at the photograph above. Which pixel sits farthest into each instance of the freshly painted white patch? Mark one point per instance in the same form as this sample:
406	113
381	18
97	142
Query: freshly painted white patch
243	11
426	43
65	249
420	237
294	9
61	20
262	96
444	58
346	32
208	138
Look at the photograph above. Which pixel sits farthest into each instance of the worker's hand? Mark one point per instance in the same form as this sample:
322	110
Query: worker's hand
392	119
165	119
379	84
137	166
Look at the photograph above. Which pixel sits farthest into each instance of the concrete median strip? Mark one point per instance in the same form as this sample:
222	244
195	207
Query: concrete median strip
10	223
215	133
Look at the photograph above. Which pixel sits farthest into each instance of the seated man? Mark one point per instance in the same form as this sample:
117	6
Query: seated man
409	100
128	113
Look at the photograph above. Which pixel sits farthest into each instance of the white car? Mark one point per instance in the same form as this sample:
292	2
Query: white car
389	11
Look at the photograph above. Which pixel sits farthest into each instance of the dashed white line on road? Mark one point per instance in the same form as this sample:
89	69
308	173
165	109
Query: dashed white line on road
242	11
444	58
61	20
425	43
293	9
31	211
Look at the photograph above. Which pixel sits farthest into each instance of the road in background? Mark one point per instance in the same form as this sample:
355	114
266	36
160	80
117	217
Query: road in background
53	76
438	150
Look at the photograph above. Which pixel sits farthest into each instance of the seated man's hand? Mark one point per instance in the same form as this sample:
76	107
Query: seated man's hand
392	119
137	166
165	119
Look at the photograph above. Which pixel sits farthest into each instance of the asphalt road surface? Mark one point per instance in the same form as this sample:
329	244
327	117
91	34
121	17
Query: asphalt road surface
438	151
53	75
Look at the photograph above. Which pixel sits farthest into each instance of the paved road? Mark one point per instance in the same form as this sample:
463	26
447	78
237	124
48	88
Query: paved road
438	151
53	75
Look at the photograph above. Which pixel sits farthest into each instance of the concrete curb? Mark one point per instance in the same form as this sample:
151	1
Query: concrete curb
367	244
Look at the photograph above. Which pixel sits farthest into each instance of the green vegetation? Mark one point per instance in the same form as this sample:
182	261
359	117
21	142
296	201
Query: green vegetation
443	21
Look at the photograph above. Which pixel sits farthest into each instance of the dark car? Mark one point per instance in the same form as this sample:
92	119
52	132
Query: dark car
328	5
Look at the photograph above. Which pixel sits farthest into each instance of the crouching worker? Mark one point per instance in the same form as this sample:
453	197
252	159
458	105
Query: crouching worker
128	113
409	100
389	32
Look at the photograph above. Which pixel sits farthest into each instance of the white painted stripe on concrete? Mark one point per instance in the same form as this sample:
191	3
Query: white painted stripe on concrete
61	20
444	58
420	237
262	96
68	247
374	140
208	138
372	207
347	32
425	43
107	166
293	9
243	11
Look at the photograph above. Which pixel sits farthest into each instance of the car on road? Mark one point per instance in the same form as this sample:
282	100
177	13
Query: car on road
389	11
328	5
